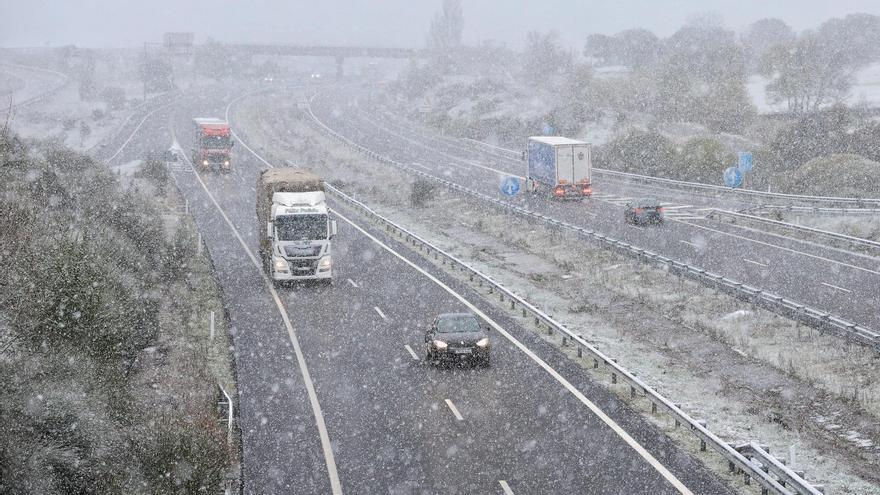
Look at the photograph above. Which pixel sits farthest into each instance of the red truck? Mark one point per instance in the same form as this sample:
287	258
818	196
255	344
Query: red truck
213	144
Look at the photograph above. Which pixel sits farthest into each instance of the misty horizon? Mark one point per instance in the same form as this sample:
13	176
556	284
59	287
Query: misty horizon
393	23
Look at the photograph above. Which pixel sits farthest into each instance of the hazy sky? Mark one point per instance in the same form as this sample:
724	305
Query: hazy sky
104	23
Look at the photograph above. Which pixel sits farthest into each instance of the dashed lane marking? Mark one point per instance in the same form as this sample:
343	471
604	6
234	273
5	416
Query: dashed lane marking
454	410
411	352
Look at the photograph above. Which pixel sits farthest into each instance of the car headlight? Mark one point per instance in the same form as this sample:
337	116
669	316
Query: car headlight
484	342
226	163
205	162
439	344
280	265
325	263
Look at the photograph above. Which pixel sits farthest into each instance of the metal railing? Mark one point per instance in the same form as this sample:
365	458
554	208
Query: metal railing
737	462
823	321
857	242
750	193
760	456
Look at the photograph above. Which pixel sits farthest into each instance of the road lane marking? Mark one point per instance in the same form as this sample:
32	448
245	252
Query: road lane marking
754	262
688	243
505	487
352	283
411	352
782	248
629	440
638	448
667	207
454	410
836	287
380	312
326	446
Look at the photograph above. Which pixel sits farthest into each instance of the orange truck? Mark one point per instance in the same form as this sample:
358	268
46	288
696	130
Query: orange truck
212	146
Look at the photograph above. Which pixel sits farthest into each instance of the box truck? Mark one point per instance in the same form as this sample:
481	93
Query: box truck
559	167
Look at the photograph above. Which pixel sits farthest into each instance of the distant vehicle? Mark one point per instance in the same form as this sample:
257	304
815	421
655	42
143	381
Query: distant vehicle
296	228
560	167
315	75
455	336
643	210
213	144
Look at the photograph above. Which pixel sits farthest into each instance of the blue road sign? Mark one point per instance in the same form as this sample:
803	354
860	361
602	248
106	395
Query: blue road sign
510	186
547	129
732	177
745	161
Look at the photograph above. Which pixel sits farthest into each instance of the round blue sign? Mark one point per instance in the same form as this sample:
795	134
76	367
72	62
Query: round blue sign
732	177
510	186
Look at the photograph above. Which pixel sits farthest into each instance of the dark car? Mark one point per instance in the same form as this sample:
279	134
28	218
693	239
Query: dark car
456	336
645	210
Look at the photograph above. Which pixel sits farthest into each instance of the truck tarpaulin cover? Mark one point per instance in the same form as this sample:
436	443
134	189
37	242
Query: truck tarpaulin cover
283	180
215	130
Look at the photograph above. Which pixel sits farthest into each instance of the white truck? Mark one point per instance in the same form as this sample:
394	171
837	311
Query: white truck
296	228
560	167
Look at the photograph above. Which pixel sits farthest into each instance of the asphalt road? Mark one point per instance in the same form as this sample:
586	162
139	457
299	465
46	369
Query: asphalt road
393	421
829	279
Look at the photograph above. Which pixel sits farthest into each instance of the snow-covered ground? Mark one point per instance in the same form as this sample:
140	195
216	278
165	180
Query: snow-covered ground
740	368
865	91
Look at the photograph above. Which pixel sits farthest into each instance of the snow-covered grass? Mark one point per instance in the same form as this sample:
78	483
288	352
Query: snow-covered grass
865	91
751	374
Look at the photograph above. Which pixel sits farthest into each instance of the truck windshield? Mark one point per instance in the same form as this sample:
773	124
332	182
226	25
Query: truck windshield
301	227
215	141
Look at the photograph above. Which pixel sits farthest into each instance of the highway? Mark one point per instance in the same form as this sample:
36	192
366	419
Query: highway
830	279
335	396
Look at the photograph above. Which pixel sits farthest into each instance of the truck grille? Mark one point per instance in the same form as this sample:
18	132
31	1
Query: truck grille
303	267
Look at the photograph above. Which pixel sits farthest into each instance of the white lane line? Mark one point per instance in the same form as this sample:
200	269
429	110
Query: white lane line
326	446
380	312
688	243
131	136
754	262
665	207
836	287
454	410
781	248
505	487
352	283
411	352
636	446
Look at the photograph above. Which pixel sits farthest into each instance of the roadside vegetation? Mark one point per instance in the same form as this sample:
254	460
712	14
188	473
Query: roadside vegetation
677	107
109	383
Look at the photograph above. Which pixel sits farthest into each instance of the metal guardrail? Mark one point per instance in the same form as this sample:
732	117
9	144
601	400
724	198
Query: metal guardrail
33	99
792	309
737	462
752	193
812	210
760	456
855	241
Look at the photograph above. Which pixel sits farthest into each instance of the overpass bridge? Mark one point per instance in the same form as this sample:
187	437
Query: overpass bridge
339	53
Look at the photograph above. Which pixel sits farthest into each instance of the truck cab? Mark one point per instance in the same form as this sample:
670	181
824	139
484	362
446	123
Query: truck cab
300	230
213	144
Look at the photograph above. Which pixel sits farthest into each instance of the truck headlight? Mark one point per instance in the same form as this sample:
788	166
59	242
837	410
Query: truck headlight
205	162
325	263
280	264
484	342
226	163
439	344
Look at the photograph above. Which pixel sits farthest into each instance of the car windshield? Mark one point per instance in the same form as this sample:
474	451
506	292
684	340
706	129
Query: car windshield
461	324
301	227
647	203
215	141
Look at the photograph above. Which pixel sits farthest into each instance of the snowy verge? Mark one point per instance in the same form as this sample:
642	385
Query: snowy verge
751	374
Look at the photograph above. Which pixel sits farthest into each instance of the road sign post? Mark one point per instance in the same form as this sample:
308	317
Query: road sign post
732	177
510	186
744	163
